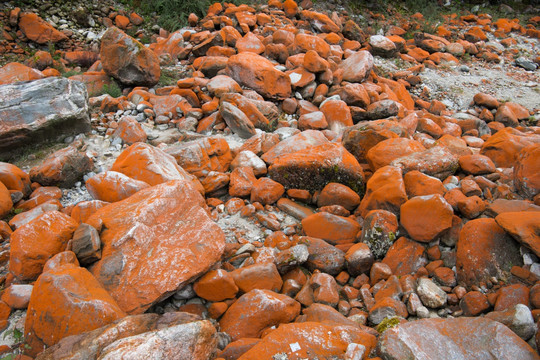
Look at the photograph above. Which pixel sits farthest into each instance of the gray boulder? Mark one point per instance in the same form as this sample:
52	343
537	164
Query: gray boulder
45	109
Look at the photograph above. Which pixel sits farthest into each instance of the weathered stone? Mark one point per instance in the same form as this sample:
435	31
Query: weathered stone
40	110
464	338
127	60
141	254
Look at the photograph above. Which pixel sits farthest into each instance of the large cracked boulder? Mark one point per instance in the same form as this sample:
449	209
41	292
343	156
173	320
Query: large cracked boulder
163	242
127	60
41	110
459	339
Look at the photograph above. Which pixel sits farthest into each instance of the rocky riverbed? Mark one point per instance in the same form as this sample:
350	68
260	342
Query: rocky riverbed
275	180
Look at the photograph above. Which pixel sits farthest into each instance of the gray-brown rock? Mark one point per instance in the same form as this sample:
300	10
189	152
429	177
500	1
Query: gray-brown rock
464	338
86	244
40	110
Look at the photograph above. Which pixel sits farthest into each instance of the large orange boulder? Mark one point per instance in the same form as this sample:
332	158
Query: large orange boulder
258	73
152	165
37	241
127	60
385	190
484	250
527	171
305	42
257	311
66	300
304	140
164	241
337	114
464	338
426	217
314	167
14	72
310	340
504	147
112	186
38	30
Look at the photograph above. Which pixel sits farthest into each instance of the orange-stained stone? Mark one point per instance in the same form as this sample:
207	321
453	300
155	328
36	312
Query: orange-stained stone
38	30
216	285
112	186
14	72
426	217
36	242
333	229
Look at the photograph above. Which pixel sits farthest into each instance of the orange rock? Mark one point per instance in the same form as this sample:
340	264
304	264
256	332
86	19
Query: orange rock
130	131
62	168
338	194
337	114
38	30
241	181
385	190
5	201
17	296
250	43
96	82
216	285
511	295
36	242
388	150
256	311
484	250
150	164
527	171
266	191
121	21
476	164
111	186
313	339
357	67
127	60
475	34
333	229
418	184
14	72
290	7
504	147
67	300
14	178
305	42
405	257
312	121
486	100
166	222
474	303
135	19
83	210
314	63
426	217
259	74
523	226
257	276
314	167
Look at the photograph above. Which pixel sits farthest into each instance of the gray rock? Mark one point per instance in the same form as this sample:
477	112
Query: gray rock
430	294
40	110
86	244
237	121
519	319
455	338
526	64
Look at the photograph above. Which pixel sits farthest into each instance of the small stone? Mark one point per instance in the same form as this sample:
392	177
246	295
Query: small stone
430	294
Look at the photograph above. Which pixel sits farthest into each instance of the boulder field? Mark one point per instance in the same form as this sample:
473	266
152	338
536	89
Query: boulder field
286	197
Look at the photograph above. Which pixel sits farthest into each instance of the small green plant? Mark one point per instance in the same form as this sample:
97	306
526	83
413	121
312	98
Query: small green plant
112	89
19	346
71	73
387	323
168	77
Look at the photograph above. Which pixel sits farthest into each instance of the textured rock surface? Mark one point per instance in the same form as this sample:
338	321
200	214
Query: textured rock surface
36	111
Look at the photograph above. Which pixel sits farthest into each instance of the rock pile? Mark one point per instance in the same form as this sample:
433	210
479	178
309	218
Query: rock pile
284	200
